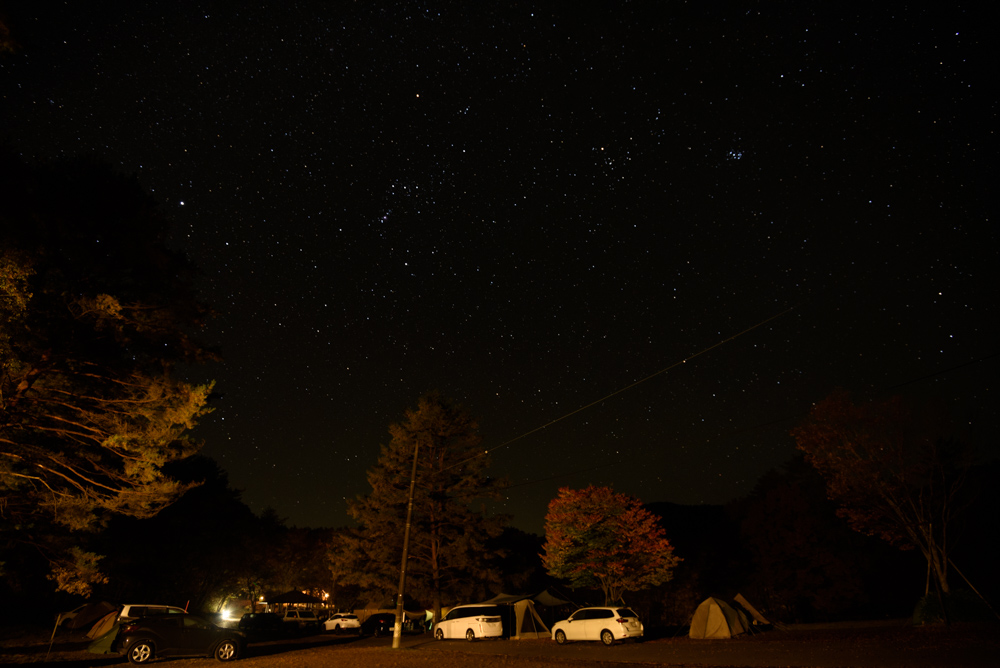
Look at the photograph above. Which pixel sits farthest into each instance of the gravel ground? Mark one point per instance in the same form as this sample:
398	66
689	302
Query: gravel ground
872	646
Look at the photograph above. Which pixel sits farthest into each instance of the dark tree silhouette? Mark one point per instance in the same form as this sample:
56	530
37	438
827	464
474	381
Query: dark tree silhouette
448	554
95	311
895	471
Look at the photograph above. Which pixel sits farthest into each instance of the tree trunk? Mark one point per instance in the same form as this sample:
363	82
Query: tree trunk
435	571
937	561
940	569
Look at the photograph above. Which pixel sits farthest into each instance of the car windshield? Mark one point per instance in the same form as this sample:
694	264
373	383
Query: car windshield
625	612
196	623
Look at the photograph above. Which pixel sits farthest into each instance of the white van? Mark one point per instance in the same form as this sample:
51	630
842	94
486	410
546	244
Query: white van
470	622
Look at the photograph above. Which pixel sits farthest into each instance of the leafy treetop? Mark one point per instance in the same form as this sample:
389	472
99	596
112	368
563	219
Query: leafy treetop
597	538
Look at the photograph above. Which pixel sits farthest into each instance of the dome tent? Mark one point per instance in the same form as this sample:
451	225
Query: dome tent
715	618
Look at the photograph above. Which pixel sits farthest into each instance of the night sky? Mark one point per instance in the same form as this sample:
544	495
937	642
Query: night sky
532	207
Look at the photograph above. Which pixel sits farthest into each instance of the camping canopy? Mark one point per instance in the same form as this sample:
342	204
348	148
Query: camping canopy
549	598
715	618
387	607
293	596
89	614
103	625
527	623
521	620
744	604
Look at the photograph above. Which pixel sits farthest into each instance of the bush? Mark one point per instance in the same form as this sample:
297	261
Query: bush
962	605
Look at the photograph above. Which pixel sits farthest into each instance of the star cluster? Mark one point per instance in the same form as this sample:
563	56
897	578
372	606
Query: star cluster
533	210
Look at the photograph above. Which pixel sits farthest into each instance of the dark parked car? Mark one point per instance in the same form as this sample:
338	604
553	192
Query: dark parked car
379	624
302	621
261	624
178	635
383	623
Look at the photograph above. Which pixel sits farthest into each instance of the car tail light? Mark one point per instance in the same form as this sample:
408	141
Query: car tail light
131	628
621	620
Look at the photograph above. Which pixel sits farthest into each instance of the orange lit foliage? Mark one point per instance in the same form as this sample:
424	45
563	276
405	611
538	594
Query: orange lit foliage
891	469
96	311
594	537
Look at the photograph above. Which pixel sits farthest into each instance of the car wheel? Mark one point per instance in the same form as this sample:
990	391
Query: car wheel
560	637
470	635
140	652
607	637
439	634
227	651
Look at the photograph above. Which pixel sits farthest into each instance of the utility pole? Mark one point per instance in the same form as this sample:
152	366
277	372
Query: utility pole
397	631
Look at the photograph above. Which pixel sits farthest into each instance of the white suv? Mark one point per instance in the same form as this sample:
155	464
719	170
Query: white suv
470	622
342	621
604	624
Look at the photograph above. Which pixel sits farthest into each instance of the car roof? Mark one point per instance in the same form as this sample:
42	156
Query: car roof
151	605
161	619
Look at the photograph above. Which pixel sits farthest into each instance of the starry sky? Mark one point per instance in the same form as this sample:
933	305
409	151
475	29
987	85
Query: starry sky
637	240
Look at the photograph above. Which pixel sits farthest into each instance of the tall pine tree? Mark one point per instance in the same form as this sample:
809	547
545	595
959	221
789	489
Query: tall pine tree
448	558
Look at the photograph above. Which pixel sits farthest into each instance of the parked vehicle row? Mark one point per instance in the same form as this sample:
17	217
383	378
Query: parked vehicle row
145	632
608	624
172	634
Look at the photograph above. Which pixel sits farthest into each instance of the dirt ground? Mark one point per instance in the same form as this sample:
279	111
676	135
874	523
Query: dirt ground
884	645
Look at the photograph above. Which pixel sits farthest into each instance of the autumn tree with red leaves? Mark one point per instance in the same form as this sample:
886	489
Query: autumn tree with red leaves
594	537
894	470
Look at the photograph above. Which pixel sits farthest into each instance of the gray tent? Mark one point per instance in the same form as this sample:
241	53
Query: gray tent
715	618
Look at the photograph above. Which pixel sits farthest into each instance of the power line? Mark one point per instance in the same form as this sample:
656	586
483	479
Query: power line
942	372
732	433
623	389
